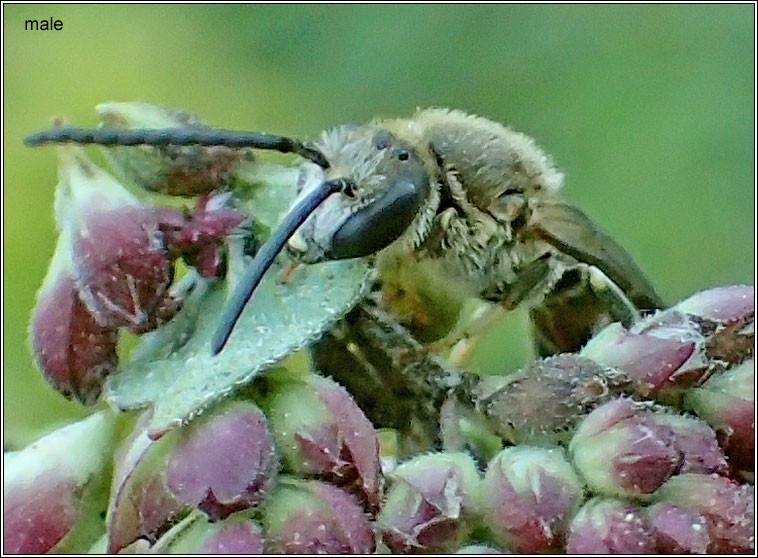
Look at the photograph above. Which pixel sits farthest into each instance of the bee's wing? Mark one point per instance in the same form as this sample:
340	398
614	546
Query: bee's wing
573	233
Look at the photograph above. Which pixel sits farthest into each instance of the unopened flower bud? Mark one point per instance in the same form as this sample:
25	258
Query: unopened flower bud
196	534
719	322
171	169
696	441
545	402
721	304
141	506
120	263
321	431
727	508
650	362
224	460
54	489
71	349
529	495
432	502
732	309
235	538
621	450
606	526
677	530
313	517
726	402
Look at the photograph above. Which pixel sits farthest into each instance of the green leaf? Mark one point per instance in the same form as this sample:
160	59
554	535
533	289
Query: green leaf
173	369
268	190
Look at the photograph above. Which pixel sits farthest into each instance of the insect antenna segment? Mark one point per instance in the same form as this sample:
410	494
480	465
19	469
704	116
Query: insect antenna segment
177	136
266	255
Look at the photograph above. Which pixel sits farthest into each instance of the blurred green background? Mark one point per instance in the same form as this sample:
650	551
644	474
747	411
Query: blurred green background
647	109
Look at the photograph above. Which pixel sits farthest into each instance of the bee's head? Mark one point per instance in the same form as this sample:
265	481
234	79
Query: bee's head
375	190
386	191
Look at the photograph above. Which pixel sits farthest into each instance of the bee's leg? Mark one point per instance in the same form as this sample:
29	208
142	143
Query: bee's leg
532	278
580	303
395	380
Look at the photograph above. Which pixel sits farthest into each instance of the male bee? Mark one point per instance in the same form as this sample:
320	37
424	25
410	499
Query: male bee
478	199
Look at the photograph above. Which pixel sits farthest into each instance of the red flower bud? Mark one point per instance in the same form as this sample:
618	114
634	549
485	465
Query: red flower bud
119	260
313	517
529	495
727	508
605	526
54	489
199	240
141	505
726	402
621	450
71	349
320	430
224	460
677	530
432	503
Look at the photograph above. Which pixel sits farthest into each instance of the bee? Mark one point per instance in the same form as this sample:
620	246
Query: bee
477	199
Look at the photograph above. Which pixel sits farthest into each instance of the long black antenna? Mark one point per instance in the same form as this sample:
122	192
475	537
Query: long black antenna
265	257
177	136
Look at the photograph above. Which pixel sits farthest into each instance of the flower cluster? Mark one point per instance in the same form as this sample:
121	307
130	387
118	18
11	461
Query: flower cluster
113	268
641	443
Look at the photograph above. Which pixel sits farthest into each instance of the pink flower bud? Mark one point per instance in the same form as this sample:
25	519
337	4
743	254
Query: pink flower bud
71	349
650	362
53	489
726	402
605	526
121	267
224	461
697	443
141	505
726	507
721	304
719	322
529	495
173	170
621	450
197	534
320	430
677	530
313	517
234	538
431	504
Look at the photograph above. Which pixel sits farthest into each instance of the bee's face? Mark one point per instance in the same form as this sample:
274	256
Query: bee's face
387	184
